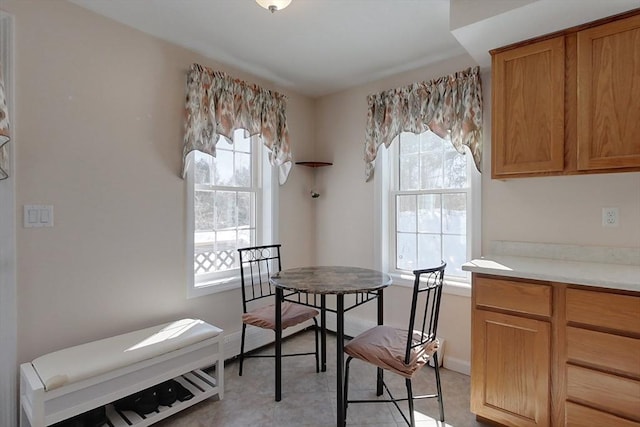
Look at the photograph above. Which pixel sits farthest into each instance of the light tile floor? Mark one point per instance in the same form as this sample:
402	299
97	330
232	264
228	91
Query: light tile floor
308	399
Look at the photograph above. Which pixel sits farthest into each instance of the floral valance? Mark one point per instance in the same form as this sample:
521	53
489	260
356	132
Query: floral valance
450	107
4	132
217	104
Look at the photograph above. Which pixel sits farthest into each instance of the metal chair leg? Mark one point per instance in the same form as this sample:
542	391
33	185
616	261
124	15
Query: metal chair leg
436	364
315	321
241	357
412	417
346	386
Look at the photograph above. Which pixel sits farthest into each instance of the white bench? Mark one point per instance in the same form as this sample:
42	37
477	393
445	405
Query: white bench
65	383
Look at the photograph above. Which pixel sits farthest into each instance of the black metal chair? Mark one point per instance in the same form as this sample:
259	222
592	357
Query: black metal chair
257	264
404	352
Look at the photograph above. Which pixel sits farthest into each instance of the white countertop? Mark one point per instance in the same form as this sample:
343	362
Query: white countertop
612	276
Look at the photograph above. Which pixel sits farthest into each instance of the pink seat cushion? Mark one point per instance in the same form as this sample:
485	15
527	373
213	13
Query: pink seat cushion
385	347
292	314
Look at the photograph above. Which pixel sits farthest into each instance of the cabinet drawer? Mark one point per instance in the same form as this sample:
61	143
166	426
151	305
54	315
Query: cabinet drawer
607	392
580	416
606	310
521	297
604	351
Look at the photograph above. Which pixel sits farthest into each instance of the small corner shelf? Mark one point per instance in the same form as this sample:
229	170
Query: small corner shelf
314	164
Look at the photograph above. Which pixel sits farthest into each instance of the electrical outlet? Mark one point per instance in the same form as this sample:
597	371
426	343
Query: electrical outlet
610	217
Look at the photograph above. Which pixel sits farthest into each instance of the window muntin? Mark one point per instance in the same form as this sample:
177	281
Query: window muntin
430	199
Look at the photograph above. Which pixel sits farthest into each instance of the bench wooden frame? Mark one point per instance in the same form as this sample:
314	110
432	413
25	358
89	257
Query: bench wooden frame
40	408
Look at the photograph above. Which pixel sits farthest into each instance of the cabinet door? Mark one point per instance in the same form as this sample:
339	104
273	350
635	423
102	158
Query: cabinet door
510	370
609	95
528	109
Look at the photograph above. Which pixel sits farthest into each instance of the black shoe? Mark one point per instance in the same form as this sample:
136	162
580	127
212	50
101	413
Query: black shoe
126	403
167	392
143	402
95	418
183	393
147	402
71	422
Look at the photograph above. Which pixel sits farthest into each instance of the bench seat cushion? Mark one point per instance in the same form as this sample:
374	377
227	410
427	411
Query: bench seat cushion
98	357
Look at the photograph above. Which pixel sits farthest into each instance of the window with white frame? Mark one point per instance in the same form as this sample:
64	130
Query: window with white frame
230	206
429	205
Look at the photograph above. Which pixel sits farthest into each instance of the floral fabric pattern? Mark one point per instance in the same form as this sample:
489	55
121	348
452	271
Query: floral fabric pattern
217	105
451	107
4	132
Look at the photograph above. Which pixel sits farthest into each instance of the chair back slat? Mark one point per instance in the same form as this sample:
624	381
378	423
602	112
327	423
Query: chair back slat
425	307
257	264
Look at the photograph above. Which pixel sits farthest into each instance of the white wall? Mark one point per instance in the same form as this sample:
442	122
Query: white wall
466	12
346	210
100	127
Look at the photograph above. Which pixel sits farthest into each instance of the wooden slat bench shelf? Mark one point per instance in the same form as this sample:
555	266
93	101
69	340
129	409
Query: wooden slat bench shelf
72	381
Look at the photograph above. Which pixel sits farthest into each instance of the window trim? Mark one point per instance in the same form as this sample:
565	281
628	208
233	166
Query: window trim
383	220
267	202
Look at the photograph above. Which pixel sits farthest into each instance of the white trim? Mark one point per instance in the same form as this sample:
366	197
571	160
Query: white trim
190	228
460	289
476	210
457	365
255	338
214	287
451	287
381	216
8	264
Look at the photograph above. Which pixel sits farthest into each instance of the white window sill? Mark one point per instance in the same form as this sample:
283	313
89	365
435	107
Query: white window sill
451	286
213	287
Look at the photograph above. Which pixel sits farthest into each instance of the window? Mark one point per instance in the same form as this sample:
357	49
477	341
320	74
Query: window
429	207
230	205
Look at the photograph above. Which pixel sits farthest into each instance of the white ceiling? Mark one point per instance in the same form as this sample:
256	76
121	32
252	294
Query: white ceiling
316	47
313	47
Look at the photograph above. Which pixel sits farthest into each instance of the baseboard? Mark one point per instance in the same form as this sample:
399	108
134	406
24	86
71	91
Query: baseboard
458	365
257	337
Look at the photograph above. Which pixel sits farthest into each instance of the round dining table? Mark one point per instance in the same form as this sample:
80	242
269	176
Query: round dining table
364	283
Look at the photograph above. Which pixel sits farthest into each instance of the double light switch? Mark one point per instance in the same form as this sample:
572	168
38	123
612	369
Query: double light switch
38	216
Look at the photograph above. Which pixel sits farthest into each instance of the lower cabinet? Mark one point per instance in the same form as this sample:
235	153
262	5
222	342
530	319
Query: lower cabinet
553	354
511	351
511	369
602	358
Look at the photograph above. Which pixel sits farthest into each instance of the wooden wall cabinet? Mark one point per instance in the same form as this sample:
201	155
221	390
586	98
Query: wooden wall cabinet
528	109
609	95
569	102
552	354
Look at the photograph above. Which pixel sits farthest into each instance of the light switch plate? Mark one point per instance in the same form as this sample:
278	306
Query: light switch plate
38	216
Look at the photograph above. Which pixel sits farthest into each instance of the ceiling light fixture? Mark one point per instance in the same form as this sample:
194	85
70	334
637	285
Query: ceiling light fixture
273	5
